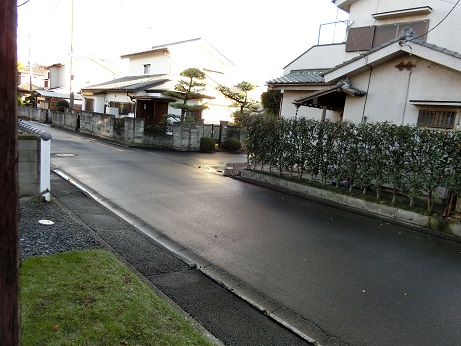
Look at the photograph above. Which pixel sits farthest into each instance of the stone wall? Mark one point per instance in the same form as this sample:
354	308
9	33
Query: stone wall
130	131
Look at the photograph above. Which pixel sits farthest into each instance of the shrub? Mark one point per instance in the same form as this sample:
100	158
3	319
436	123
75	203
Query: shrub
61	105
207	144
232	144
155	129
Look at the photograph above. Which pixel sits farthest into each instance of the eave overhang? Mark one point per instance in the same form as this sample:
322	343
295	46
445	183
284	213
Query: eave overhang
391	50
154	98
437	103
332	97
414	11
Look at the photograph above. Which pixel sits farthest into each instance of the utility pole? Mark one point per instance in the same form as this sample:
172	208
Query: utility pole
9	239
71	58
30	72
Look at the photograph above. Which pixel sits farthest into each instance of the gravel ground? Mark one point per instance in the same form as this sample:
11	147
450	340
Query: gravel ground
65	234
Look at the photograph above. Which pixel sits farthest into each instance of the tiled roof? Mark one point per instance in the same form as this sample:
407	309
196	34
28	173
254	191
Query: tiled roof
36	70
48	93
341	86
130	83
26	87
160	47
300	77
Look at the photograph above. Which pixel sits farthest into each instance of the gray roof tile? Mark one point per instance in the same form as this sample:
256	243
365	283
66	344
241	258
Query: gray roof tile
300	77
130	83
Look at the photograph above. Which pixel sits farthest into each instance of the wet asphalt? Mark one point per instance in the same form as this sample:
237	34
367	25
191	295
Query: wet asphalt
213	309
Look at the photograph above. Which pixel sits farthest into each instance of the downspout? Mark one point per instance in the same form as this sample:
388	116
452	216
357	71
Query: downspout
368	89
324	113
407	92
282	92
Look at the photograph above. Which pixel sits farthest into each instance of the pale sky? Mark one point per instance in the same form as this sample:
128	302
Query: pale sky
259	37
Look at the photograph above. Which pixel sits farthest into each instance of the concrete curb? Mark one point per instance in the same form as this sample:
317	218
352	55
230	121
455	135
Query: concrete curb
428	224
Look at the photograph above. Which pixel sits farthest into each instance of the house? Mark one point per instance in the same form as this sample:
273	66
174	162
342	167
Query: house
35	75
85	71
152	72
398	64
30	78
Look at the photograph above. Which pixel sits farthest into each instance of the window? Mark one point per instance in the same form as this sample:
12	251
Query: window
124	108
368	37
441	119
146	68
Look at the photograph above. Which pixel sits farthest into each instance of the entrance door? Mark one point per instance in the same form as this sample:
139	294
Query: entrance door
151	111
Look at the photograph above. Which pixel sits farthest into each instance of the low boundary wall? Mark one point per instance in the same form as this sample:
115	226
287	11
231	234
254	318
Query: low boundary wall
127	131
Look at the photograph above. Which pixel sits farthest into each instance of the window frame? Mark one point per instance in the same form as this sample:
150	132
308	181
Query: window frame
437	118
368	37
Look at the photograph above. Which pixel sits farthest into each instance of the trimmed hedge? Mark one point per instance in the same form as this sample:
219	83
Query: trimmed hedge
412	161
231	144
207	144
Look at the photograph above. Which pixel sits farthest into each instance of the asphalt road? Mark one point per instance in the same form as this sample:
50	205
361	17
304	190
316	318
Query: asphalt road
355	279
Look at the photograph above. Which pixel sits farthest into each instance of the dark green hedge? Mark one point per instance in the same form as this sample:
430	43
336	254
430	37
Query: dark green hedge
412	161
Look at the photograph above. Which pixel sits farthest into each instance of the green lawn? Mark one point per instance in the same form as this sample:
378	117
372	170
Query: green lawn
91	298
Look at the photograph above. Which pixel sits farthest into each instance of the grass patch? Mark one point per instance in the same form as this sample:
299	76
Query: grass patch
91	298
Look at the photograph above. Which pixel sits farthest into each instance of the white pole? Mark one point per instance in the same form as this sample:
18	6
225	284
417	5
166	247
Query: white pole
71	58
45	163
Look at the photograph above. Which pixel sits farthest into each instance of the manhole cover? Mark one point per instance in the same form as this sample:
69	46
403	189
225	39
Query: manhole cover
45	222
65	155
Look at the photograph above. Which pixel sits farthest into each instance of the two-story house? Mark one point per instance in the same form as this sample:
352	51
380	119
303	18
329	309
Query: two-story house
398	64
85	71
152	72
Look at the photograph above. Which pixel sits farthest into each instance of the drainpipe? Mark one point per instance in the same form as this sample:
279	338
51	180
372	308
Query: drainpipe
324	112
407	92
366	95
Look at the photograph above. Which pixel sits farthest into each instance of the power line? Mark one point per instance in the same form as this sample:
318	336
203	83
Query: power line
439	22
23	3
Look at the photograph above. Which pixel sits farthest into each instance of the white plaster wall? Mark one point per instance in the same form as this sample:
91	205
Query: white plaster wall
391	90
318	57
386	94
87	72
57	75
159	64
117	97
361	11
445	85
99	102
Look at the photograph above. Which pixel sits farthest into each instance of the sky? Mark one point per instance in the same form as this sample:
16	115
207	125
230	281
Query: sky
259	37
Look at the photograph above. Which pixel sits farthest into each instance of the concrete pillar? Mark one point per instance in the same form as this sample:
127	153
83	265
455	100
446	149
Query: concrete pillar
45	165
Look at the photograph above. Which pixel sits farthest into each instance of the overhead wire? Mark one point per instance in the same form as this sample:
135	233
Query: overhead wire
449	12
25	2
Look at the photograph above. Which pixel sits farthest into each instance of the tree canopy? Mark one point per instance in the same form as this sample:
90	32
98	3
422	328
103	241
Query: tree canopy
189	88
240	97
270	101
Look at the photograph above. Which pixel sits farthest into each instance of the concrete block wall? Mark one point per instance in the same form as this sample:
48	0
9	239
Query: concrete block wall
67	120
28	165
97	124
186	136
36	114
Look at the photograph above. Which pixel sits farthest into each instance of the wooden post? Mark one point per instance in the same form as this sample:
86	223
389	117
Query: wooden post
9	239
